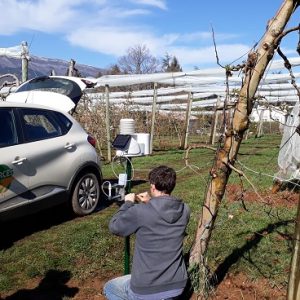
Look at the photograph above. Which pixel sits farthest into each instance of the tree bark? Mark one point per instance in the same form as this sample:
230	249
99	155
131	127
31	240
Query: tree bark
227	153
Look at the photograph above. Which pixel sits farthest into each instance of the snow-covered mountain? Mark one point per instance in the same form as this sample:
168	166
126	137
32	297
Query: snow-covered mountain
43	66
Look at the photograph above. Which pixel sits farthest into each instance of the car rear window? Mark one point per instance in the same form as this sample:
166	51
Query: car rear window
8	133
57	85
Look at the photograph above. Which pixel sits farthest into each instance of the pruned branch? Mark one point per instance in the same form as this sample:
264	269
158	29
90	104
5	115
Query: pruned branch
288	65
241	173
284	33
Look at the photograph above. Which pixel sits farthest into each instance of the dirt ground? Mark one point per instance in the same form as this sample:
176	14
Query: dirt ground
277	199
60	286
233	287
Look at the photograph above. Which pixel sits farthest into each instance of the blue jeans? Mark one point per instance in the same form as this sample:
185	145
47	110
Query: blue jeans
119	289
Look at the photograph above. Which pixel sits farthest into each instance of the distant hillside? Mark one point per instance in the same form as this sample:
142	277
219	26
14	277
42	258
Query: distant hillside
43	66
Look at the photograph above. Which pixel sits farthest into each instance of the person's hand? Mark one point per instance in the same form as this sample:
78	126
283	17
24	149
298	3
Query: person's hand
143	197
130	197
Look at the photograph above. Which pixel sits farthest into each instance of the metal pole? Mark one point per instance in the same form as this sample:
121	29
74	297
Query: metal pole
127	238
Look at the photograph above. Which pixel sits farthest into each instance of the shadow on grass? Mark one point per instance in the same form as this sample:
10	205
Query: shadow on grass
252	154
237	253
291	186
52	287
17	229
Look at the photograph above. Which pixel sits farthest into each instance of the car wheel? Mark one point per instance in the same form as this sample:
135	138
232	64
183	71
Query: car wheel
86	194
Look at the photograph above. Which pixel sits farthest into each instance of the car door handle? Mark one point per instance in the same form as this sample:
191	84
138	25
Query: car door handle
69	146
18	160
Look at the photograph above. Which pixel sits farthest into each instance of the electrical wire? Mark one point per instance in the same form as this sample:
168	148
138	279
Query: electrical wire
102	187
128	160
265	174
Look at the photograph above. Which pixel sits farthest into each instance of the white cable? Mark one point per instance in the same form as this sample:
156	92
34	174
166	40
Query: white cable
112	164
131	165
109	188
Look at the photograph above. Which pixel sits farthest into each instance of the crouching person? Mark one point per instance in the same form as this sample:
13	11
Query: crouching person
159	222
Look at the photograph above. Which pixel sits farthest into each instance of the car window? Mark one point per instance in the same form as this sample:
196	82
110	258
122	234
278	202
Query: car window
8	133
39	124
64	121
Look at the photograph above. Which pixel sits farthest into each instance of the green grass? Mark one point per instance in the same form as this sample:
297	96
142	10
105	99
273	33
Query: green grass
254	241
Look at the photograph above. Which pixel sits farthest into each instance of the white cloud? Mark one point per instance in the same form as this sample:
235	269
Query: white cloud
205	36
60	16
43	15
110	27
113	40
190	57
157	3
289	51
109	15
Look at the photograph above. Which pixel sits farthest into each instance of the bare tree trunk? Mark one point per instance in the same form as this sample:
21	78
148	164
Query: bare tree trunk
227	153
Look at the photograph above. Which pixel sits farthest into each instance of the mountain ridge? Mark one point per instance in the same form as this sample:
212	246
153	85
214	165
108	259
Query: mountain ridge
41	66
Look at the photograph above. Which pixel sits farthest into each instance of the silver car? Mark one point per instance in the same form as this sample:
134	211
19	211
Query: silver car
46	158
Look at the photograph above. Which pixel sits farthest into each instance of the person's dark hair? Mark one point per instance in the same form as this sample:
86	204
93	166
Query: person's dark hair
164	179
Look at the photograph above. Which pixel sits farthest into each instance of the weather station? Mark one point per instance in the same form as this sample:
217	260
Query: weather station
128	144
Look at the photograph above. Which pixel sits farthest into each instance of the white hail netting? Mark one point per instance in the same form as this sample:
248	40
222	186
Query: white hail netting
289	154
14	52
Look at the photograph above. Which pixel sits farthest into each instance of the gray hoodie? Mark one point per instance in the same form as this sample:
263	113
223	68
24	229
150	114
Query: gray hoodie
159	226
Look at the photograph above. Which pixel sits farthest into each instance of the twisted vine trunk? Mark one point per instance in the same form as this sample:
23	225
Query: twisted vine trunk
226	155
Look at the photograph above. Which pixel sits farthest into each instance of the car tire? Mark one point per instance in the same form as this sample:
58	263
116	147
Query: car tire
86	194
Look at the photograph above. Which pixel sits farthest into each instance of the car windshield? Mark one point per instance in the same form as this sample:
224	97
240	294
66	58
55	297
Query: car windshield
57	85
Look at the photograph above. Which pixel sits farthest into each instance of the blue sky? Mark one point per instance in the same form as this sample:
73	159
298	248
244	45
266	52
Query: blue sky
98	32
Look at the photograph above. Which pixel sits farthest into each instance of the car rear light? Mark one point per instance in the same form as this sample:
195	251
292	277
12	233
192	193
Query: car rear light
92	141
